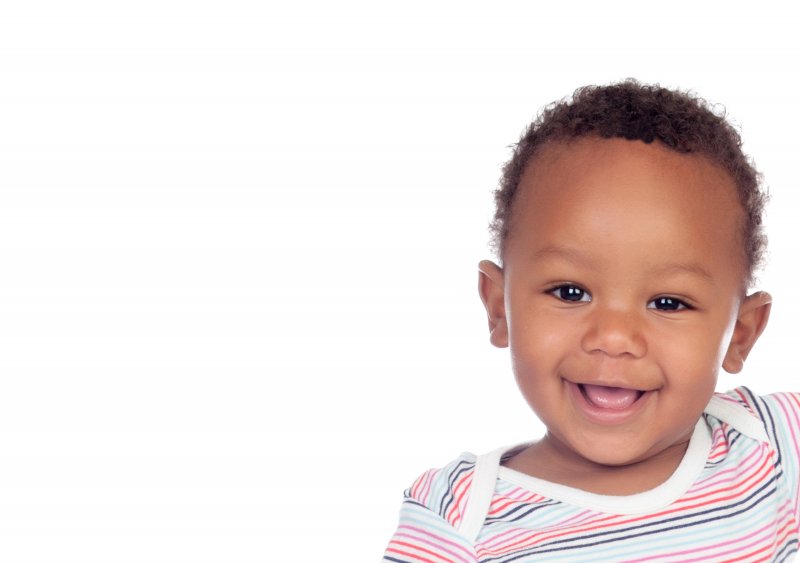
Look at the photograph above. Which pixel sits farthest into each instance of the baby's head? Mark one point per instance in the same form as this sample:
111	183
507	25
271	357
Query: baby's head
629	226
633	111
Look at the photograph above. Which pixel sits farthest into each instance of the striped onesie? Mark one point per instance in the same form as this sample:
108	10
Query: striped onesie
734	497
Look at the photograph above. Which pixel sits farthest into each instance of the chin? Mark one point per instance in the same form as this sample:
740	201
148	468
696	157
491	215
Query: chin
610	460
611	455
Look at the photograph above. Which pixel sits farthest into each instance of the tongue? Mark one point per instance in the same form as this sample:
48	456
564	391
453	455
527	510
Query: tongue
610	397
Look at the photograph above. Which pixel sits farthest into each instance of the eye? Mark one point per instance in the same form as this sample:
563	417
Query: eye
667	304
572	293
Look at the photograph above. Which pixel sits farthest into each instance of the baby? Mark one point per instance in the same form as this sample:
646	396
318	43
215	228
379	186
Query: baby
628	227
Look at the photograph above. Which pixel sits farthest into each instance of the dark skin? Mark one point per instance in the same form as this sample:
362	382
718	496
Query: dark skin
621	297
564	467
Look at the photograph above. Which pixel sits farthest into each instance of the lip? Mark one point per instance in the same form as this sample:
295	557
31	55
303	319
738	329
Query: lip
603	416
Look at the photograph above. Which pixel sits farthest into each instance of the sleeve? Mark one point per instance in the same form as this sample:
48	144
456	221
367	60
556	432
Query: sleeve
429	517
780	413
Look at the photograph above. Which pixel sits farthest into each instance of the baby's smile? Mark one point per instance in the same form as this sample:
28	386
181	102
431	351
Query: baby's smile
607	405
616	398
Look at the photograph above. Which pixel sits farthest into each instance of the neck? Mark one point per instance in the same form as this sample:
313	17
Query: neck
552	461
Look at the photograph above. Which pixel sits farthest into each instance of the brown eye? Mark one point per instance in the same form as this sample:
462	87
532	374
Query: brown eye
667	304
571	293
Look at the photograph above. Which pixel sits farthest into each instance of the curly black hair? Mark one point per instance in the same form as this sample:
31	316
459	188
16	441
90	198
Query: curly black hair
679	120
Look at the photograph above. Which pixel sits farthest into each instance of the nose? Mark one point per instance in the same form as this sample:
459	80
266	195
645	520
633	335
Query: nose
615	332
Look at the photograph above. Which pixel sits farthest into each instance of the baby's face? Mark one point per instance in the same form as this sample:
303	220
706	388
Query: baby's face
621	289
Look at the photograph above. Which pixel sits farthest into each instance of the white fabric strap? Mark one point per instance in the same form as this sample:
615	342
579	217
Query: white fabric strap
481	492
738	417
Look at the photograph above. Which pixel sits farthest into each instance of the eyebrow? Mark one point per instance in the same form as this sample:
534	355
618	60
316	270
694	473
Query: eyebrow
681	268
576	256
563	252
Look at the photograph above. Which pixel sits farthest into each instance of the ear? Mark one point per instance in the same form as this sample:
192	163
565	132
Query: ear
491	287
751	322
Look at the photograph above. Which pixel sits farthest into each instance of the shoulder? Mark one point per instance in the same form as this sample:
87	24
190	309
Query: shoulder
776	416
445	491
762	407
433	508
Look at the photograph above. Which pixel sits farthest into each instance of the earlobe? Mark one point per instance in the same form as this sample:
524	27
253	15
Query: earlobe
751	322
491	288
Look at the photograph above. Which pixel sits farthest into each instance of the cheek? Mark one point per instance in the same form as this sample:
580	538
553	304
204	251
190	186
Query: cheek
532	320
695	357
538	342
538	350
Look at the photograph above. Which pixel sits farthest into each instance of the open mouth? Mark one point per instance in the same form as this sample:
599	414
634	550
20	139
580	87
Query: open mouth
614	398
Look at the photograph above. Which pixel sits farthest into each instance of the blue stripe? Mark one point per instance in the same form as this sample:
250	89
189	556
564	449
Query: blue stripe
550	547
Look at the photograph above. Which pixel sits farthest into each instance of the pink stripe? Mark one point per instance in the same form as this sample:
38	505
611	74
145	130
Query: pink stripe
518	493
790	416
745	466
506	539
454	515
419	490
732	488
440	540
793	422
715	546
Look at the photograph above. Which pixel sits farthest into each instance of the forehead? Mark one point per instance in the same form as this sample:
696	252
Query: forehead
626	198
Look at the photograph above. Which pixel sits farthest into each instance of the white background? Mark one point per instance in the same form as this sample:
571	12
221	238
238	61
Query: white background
238	248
